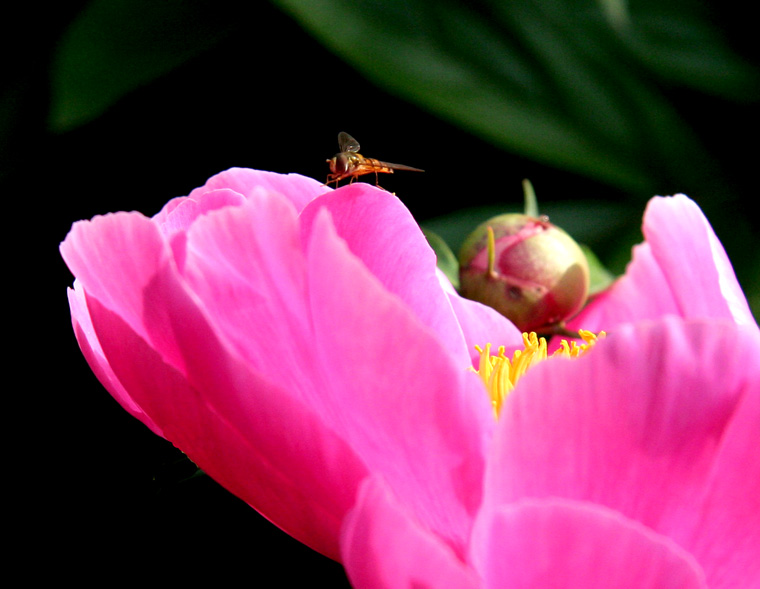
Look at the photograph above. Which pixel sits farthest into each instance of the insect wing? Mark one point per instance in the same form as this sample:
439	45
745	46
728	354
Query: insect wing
399	167
347	143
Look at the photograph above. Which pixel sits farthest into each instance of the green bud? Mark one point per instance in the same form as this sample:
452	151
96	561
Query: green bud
529	270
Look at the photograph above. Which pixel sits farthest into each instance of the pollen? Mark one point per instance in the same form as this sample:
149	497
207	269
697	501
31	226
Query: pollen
500	374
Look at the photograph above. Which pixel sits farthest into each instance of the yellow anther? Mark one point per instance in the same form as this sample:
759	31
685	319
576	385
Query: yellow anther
500	374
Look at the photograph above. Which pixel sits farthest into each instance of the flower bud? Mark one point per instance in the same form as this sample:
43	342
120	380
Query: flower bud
529	270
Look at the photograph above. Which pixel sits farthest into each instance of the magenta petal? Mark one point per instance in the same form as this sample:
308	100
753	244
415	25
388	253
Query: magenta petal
380	231
483	325
115	257
658	422
730	508
249	341
299	190
382	546
235	425
327	329
681	269
179	214
699	272
480	323
560	543
183	211
642	293
163	348
413	412
246	266
93	353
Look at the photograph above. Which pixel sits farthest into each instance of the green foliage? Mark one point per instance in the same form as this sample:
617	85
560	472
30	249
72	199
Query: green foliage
600	277
447	261
116	46
572	83
581	85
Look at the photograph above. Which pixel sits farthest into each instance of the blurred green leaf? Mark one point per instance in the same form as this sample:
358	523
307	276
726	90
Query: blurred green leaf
116	46
447	261
679	42
616	12
600	276
572	83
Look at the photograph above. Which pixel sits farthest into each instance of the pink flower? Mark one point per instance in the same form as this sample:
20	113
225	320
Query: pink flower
291	339
297	343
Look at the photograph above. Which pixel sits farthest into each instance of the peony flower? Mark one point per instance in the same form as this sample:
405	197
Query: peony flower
298	344
291	339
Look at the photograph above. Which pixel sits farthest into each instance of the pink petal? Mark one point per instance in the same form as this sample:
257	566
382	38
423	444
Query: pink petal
93	353
115	257
183	211
382	546
642	293
413	412
731	501
234	424
180	213
482	325
249	340
246	266
251	283
700	273
380	231
658	422
326	329
299	190
681	269
159	346
568	544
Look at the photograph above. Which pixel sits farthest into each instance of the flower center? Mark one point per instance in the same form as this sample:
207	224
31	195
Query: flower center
500	374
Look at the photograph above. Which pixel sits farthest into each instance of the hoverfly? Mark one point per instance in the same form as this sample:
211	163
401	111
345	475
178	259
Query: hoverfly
350	163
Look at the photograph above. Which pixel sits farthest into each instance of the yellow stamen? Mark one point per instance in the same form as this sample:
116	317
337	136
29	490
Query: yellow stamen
500	374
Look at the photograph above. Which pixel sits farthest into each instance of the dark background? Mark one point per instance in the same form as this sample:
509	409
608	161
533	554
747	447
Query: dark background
104	498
